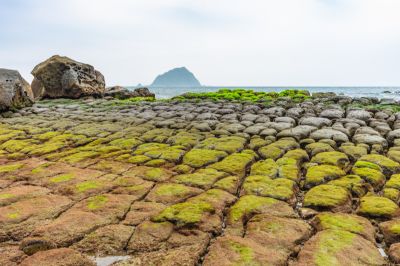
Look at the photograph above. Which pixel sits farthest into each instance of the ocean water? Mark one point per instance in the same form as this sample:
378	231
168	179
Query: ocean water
378	92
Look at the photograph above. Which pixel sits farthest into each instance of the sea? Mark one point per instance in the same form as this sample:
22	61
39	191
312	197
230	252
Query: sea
355	92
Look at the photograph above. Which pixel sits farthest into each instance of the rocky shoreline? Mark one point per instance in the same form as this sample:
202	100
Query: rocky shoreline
233	177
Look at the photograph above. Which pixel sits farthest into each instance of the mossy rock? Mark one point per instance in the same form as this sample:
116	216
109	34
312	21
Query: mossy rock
229	184
198	157
196	209
155	163
203	178
147	147
380	207
328	197
362	164
170	193
374	177
278	148
346	222
257	142
354	152
389	166
353	183
332	158
9	168
318	147
171	154
234	164
391	231
339	247
183	169
267	167
394	155
79	157
249	205
185	139
128	143
281	188
298	154
288	168
229	144
320	174
392	194
394	182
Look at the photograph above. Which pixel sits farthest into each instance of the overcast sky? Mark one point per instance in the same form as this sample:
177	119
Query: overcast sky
223	42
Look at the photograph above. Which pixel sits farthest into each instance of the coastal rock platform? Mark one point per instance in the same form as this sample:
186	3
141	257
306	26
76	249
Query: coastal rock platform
190	181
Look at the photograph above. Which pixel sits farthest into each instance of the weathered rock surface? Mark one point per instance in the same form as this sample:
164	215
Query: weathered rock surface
59	77
15	92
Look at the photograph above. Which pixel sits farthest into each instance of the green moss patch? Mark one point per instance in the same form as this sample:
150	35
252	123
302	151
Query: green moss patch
372	176
375	206
281	188
203	178
10	167
353	183
267	167
322	173
327	197
389	166
61	178
199	157
97	202
278	148
227	144
229	184
332	158
234	164
394	182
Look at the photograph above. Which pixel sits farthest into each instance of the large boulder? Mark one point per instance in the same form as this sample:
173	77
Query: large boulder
15	92
62	77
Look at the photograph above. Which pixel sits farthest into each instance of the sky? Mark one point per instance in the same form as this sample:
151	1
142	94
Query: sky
223	42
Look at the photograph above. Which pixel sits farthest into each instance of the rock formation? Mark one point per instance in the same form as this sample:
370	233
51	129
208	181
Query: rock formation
15	92
60	76
123	93
177	77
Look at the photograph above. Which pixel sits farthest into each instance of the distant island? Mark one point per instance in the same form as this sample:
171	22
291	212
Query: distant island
177	77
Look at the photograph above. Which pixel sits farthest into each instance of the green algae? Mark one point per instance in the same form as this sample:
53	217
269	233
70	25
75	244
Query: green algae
281	188
229	144
87	185
319	174
203	178
376	206
199	157
389	166
246	254
170	189
10	167
267	167
340	221
97	202
228	183
186	213
61	178
234	164
392	194
248	205
331	158
374	177
330	242
362	164
326	196
394	182
6	196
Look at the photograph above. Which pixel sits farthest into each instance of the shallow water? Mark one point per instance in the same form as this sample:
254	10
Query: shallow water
166	92
106	261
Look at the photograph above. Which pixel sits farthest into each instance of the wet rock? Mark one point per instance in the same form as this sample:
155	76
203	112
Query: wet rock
64	77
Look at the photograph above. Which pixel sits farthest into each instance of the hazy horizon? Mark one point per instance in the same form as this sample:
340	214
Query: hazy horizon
309	43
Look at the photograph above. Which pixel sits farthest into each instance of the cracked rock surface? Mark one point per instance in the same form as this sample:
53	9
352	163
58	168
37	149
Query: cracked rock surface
199	183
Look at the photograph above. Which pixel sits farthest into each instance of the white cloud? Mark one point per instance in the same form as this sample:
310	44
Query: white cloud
225	42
